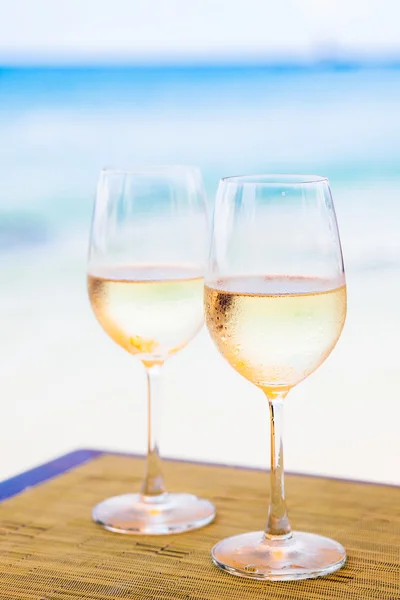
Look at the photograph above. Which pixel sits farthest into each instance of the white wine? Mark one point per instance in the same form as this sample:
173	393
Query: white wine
151	311
275	331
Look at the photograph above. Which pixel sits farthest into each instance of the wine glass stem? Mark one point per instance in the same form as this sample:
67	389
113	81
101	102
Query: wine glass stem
153	487
278	526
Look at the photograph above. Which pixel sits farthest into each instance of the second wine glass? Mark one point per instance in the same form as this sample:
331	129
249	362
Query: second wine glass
145	283
275	302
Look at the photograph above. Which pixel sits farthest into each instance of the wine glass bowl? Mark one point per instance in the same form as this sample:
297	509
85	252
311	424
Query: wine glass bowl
275	306
275	330
167	312
145	284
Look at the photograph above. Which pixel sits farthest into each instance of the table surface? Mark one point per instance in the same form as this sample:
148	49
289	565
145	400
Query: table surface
51	550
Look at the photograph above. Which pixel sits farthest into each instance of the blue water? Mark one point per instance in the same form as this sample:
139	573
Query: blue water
60	126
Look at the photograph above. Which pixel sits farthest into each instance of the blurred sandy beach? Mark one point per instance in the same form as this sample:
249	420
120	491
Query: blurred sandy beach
66	385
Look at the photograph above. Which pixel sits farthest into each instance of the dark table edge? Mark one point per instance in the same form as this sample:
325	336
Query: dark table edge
15	485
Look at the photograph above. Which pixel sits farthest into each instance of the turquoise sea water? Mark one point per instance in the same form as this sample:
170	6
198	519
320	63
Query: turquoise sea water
61	125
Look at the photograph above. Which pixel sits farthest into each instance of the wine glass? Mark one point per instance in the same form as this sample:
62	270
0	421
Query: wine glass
275	306
145	284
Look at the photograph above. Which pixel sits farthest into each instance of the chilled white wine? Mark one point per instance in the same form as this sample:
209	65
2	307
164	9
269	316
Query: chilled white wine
151	311
275	331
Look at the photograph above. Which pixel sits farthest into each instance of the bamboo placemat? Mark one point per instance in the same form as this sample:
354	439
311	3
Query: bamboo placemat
51	550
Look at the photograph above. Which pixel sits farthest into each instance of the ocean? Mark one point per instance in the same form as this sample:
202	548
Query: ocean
65	385
61	126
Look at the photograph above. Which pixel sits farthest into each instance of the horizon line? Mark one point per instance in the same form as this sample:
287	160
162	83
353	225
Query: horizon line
261	63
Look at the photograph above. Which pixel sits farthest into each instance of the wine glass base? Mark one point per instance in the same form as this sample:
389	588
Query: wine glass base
303	556
173	513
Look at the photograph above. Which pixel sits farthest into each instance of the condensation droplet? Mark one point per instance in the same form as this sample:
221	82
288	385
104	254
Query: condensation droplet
251	569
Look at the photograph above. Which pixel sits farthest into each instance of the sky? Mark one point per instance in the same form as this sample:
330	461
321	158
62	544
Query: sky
57	31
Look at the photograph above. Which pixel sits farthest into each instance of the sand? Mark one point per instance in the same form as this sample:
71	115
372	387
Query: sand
65	385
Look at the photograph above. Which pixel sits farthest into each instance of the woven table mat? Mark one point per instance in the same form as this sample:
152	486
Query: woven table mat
51	550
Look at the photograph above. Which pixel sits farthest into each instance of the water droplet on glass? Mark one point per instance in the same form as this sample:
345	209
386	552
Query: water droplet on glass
251	569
